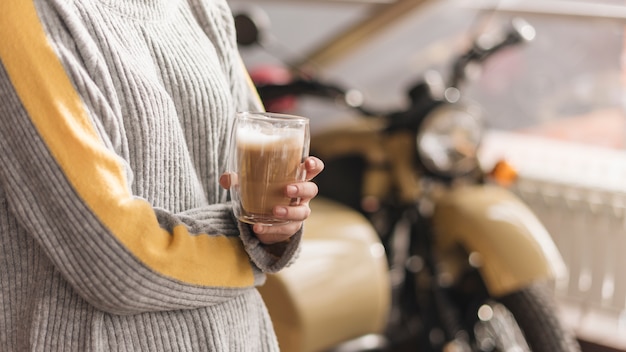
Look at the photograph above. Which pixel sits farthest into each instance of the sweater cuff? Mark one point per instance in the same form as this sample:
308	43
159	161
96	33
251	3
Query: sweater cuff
269	258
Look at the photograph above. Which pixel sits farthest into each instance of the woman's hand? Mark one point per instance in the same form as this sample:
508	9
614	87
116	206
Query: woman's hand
296	214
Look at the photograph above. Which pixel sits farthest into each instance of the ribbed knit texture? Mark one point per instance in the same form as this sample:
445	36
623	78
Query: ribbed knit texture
160	81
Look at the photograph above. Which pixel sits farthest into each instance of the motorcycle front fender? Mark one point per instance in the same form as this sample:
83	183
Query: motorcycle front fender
514	247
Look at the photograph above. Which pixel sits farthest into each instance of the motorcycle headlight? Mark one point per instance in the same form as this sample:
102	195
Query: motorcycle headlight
448	140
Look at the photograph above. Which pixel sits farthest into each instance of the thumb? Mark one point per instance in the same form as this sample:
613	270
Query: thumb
225	180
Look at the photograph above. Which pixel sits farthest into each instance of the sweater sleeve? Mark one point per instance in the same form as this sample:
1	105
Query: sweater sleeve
71	193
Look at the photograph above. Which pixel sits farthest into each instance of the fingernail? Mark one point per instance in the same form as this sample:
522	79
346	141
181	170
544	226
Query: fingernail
311	163
292	191
280	211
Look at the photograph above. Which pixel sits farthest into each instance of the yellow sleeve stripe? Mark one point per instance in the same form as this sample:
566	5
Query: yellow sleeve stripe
57	112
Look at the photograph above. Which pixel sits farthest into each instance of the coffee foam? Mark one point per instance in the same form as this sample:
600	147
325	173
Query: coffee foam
255	136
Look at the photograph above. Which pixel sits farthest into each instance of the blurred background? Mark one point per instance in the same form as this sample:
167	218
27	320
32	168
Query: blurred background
554	107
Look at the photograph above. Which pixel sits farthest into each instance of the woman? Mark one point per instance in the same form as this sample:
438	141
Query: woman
114	232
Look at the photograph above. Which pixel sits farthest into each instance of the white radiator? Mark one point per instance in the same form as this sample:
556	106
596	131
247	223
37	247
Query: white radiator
579	192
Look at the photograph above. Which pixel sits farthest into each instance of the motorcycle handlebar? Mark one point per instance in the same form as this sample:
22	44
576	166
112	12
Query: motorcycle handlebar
484	47
315	88
300	87
420	94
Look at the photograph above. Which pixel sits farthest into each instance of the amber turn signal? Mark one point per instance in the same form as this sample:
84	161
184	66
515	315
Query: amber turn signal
503	173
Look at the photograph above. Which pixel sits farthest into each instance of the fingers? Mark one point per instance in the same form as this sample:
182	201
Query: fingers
302	190
228	179
295	214
278	233
275	234
225	181
306	190
313	167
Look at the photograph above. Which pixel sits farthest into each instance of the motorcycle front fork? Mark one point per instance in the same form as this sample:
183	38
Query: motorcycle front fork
423	307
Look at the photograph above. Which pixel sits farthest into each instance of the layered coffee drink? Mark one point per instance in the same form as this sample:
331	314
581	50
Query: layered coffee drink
268	156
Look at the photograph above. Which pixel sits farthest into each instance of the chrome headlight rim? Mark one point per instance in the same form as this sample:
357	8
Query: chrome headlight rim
466	121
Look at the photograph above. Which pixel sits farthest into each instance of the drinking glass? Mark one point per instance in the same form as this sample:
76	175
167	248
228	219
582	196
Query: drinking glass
267	153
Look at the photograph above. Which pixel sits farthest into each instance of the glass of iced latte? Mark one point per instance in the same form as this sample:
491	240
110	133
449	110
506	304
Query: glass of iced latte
267	154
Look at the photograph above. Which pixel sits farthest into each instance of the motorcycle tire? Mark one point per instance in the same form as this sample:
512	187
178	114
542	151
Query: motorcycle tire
532	310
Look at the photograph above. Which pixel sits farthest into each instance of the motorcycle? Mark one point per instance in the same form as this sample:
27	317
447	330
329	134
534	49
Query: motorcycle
469	266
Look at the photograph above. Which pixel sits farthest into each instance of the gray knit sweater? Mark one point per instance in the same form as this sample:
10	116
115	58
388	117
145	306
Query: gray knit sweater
114	233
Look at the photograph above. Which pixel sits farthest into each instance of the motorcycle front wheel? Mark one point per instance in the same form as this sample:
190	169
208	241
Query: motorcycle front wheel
526	320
